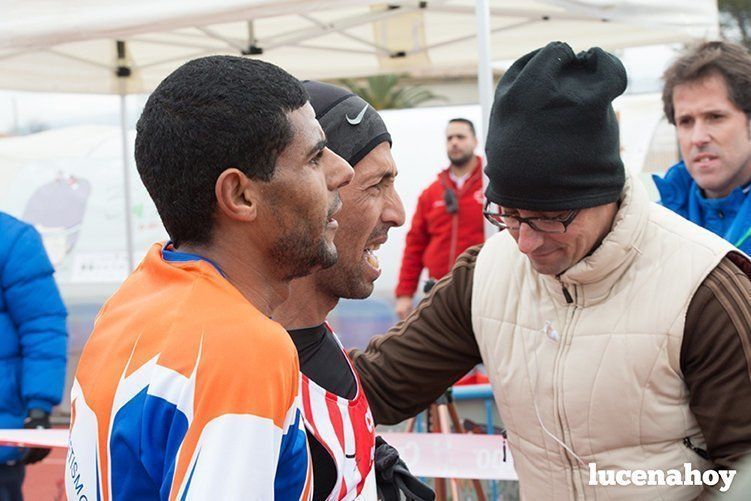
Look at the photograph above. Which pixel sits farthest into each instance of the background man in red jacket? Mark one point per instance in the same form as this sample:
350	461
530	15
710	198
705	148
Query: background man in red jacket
448	218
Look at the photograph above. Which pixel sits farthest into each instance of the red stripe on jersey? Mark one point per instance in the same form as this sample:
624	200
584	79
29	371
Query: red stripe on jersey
364	442
336	417
305	391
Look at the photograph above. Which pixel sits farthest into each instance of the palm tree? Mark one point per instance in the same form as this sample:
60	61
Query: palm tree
385	92
735	20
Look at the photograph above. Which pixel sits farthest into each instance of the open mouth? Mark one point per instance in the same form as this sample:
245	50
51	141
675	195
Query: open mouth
370	256
704	159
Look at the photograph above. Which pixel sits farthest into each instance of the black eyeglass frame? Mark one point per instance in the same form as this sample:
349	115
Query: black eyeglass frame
495	219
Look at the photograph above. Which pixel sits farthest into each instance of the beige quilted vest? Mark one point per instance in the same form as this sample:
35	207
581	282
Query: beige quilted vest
601	374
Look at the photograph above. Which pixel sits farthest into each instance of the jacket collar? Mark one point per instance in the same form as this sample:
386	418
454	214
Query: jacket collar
674	188
728	204
475	174
678	189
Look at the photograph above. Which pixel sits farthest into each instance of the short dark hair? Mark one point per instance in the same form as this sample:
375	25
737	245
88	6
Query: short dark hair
209	115
464	121
731	61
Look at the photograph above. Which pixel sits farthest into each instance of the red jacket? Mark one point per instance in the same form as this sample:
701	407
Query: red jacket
436	237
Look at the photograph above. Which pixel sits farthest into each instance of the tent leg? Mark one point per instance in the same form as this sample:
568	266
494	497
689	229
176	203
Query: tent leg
484	80
126	176
484	72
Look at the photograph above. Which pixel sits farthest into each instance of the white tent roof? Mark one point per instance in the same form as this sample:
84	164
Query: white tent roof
71	45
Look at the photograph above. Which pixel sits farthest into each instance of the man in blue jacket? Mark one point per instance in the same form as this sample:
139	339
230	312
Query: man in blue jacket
707	96
33	342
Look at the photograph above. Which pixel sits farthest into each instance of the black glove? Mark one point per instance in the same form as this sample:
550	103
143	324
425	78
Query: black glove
393	478
37	420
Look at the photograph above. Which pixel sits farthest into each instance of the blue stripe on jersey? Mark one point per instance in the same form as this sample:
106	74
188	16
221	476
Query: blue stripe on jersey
190	478
146	434
170	254
162	440
292	468
96	462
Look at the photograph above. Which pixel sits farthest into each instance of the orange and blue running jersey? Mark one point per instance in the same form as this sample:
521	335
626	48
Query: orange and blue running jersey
186	391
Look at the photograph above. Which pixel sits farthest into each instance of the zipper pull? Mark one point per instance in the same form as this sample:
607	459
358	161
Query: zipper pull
567	294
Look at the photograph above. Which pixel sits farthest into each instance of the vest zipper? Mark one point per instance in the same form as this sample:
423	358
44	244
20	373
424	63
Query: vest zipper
558	383
567	294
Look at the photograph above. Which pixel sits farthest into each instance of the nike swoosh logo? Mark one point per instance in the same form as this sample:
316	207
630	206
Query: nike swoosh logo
349	456
358	118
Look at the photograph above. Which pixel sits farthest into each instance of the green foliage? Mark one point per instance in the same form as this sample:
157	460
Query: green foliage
385	92
735	20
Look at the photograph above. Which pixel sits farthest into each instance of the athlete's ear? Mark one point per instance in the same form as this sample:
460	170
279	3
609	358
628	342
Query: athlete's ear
237	195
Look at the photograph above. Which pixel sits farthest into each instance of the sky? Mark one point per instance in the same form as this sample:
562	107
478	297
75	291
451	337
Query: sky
27	111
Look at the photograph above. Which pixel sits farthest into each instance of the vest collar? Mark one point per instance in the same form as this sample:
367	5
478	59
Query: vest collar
590	280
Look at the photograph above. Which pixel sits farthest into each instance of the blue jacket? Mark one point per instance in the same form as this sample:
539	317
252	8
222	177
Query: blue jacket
728	217
33	337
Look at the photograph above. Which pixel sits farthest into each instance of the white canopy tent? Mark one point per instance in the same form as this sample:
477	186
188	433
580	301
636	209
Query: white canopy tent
110	46
70	46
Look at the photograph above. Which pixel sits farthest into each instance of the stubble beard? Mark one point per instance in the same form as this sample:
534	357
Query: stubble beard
344	279
297	255
463	161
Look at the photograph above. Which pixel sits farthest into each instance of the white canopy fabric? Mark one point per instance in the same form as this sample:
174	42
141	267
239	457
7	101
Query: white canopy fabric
71	46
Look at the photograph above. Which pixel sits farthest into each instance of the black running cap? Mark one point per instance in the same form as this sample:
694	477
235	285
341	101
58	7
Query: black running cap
352	127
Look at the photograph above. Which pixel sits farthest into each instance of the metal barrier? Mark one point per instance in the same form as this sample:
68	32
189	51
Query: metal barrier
446	455
470	392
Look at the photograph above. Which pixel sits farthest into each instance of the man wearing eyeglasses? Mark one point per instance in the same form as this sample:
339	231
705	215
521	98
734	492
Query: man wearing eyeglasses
614	332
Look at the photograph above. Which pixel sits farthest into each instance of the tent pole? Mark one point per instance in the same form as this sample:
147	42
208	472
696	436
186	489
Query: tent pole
126	176
484	91
123	72
484	72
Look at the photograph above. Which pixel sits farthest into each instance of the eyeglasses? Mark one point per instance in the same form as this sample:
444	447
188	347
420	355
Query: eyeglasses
542	224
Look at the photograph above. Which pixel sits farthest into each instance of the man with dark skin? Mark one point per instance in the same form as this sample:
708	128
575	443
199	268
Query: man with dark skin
186	387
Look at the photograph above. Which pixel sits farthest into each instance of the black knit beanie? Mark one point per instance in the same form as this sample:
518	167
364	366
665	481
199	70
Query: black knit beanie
553	136
352	127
